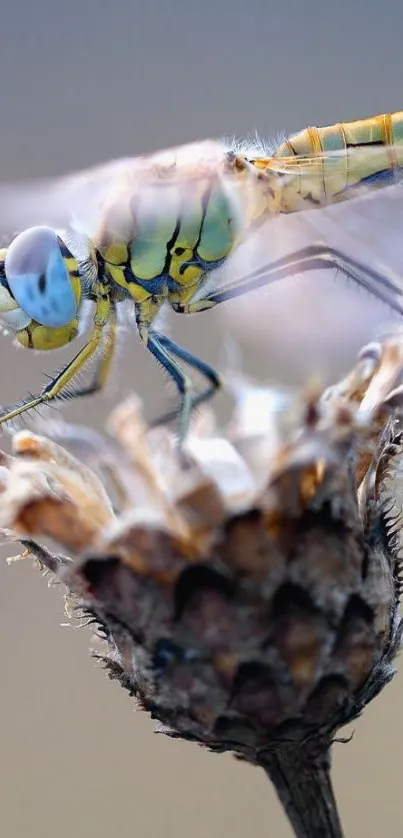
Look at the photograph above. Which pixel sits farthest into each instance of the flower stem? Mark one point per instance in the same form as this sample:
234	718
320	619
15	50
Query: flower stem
302	781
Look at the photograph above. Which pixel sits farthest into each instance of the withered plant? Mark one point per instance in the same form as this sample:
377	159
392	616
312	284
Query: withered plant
245	589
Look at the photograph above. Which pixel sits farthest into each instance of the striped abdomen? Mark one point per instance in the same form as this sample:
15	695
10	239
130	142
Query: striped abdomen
370	154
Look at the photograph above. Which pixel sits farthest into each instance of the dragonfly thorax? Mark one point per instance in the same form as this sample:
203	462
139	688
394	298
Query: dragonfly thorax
163	242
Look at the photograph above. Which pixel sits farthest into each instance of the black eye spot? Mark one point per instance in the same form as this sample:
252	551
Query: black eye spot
179	251
42	283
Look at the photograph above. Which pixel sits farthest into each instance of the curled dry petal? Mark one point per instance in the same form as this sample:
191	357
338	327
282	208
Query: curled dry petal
46	491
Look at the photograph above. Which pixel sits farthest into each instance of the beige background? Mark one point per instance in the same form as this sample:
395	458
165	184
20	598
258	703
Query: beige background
80	83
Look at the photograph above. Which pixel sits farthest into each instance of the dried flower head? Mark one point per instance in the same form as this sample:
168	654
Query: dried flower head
246	588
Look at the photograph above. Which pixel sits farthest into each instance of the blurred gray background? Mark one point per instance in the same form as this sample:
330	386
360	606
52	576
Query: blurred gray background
82	82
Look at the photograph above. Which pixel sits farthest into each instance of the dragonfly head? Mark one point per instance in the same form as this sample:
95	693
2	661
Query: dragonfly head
40	281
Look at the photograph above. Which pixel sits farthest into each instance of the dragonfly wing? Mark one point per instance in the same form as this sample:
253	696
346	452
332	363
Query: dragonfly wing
99	201
317	321
55	201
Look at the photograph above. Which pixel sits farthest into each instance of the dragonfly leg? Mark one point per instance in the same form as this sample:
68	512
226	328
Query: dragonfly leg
104	363
166	352
386	288
58	385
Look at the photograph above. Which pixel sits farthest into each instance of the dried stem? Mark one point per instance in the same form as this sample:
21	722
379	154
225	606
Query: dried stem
302	781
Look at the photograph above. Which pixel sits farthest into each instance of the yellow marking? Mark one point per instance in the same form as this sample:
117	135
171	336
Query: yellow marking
389	141
314	140
314	136
197	306
75	279
71	264
183	295
36	336
137	293
192	273
116	254
146	313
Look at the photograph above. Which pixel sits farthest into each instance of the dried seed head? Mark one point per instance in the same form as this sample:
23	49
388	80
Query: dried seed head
248	596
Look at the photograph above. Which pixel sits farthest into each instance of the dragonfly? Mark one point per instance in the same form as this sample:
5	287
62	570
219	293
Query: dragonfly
169	229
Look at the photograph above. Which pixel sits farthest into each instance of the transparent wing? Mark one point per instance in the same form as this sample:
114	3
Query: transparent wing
87	197
344	173
315	322
100	201
55	201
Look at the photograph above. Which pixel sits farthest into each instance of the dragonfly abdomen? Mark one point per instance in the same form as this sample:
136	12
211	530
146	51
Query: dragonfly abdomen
336	177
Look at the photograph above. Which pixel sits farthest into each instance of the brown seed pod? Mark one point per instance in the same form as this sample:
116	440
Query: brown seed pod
247	587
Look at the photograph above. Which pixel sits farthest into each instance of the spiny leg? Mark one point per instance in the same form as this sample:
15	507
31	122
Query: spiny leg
314	257
104	362
56	387
192	402
182	381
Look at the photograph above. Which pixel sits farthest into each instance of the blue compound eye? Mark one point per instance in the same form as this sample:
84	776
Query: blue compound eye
38	278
